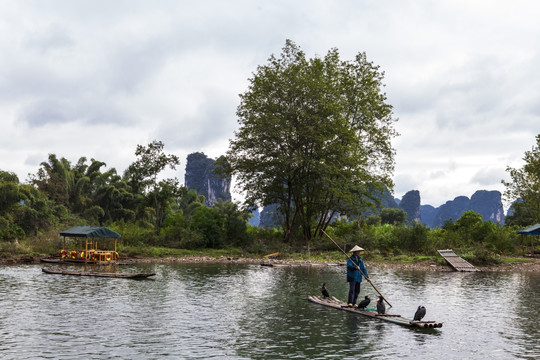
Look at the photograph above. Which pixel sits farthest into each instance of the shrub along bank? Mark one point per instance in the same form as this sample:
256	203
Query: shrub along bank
480	242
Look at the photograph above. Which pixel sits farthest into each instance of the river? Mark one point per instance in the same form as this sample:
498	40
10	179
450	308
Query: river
246	311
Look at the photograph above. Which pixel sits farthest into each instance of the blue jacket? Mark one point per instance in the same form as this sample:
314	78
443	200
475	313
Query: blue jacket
352	273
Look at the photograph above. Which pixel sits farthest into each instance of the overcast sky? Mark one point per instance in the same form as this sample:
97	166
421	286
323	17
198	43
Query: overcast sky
96	78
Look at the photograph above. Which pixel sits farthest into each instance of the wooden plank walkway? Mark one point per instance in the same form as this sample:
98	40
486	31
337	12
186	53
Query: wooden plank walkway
455	261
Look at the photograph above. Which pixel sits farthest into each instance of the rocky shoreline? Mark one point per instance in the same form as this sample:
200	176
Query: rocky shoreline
424	265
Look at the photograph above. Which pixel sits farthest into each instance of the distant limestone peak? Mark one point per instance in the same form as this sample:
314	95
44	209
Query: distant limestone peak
452	209
410	203
486	203
201	177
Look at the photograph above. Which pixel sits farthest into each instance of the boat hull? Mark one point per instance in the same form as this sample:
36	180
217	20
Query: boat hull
58	271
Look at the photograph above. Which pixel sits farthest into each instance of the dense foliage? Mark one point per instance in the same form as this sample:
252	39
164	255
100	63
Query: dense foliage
62	195
314	138
525	188
147	210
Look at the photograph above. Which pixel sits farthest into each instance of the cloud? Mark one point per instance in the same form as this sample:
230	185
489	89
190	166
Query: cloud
489	176
57	111
52	38
403	184
213	119
96	78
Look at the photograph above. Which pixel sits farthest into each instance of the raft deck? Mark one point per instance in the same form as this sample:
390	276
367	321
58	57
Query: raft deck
455	261
97	274
372	313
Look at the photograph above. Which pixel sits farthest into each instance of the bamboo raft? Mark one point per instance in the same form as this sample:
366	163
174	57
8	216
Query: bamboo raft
59	271
455	261
372	313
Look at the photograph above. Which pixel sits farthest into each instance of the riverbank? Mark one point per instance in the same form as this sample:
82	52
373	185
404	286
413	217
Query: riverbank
517	265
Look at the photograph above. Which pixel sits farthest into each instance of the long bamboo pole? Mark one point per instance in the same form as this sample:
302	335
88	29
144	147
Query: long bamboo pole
364	275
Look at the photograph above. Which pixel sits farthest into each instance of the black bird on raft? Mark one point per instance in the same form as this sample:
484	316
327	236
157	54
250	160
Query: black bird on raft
420	313
324	291
381	308
364	303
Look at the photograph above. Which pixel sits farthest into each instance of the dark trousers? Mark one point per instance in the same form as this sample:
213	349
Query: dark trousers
354	290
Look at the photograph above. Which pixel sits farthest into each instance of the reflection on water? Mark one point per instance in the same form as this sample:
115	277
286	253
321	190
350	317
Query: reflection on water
254	312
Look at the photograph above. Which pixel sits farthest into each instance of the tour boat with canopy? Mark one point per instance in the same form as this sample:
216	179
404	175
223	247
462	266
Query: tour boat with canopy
89	244
92	245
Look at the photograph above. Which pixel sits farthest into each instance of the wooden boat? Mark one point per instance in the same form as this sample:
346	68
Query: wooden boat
52	260
372	313
58	260
59	271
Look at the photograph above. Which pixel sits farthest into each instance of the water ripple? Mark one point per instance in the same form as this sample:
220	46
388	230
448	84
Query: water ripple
216	311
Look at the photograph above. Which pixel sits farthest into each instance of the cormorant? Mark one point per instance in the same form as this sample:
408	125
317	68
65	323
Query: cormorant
324	291
420	313
381	308
364	303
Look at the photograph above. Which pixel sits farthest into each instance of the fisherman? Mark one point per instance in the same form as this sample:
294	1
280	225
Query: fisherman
355	269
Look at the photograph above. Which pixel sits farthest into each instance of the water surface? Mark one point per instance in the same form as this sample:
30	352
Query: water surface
239	311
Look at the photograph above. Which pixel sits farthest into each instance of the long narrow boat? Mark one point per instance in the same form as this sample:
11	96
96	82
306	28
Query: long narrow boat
58	260
59	271
372	313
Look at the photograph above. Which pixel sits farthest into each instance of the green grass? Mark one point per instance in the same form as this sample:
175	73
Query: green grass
511	259
402	258
162	252
337	256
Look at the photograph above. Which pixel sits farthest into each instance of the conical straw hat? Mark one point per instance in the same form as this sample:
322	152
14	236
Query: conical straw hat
356	248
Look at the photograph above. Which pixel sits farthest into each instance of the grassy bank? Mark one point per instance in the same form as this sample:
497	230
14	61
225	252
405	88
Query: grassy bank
31	252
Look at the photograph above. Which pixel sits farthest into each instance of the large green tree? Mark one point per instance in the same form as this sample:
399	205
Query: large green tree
143	177
315	134
524	189
55	178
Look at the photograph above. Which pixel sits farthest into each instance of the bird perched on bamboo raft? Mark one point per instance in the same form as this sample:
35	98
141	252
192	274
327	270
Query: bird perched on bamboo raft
364	303
420	313
324	291
381	308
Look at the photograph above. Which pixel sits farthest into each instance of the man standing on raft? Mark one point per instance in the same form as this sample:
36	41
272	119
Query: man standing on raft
355	269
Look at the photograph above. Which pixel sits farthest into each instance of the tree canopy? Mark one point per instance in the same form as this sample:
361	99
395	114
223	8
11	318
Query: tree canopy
393	216
143	174
524	189
315	134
